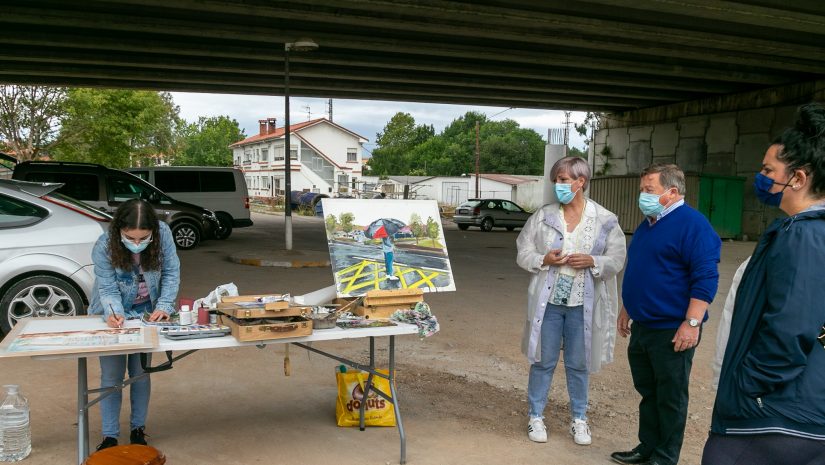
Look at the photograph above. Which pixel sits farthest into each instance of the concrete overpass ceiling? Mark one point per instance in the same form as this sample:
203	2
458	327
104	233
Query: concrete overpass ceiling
607	55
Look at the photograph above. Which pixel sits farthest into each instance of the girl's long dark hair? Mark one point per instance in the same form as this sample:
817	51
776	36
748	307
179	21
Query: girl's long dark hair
134	214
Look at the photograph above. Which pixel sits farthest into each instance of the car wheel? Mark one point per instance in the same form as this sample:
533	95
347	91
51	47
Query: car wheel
186	235
511	228
463	227
487	224
224	229
38	296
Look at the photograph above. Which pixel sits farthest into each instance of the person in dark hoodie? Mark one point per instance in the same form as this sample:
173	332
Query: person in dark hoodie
770	404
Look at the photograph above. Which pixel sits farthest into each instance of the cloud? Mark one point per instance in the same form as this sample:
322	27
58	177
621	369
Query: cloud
364	117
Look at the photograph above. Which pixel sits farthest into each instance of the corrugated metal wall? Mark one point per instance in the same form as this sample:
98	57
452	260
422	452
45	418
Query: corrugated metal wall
620	194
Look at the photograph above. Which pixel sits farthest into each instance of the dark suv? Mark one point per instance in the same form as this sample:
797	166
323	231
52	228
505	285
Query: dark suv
106	188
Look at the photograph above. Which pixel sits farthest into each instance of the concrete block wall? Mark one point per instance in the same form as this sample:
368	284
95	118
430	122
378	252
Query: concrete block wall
730	143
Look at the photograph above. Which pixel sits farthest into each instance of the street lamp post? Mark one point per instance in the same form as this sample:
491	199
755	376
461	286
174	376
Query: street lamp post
300	45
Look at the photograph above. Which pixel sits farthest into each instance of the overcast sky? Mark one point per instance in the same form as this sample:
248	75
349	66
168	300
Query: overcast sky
364	117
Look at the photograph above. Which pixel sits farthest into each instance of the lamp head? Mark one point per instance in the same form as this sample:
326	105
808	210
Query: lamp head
303	44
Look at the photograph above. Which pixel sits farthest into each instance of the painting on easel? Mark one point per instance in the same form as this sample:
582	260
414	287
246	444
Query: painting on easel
386	244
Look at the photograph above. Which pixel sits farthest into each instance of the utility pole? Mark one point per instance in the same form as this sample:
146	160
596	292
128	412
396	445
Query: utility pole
329	106
309	112
478	155
567	130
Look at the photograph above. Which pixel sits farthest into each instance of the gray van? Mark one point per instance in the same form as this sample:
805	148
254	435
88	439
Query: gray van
220	189
106	188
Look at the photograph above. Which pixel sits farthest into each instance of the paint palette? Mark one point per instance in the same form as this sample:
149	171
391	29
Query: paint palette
194	331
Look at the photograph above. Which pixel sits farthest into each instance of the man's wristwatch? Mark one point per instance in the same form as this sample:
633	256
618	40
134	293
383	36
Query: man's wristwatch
693	322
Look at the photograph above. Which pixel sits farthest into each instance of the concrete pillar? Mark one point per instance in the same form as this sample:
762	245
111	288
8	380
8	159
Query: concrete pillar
552	154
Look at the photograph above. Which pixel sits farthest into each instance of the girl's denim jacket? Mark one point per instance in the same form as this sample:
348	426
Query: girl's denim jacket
115	289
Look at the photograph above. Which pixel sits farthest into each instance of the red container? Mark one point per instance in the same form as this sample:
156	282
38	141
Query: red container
203	316
185	301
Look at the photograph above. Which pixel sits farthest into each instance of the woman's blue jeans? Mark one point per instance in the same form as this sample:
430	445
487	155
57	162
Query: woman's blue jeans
561	324
112	371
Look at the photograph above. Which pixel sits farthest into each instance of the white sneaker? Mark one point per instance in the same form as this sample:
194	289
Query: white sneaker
580	432
536	430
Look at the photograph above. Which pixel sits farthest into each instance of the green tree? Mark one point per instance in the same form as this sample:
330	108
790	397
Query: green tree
117	127
206	142
346	219
504	148
400	135
588	128
330	223
416	227
432	229
30	118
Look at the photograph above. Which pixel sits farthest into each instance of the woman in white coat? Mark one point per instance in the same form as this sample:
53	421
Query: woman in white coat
574	250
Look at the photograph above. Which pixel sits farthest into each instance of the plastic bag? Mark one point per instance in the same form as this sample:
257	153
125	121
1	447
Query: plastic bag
378	411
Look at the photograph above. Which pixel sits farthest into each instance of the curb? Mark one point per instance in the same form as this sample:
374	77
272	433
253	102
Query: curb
279	262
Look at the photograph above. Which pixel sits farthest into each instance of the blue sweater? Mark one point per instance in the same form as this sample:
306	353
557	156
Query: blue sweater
668	263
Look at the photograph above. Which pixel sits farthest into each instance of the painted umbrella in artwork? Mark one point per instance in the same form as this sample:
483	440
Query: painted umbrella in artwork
384	227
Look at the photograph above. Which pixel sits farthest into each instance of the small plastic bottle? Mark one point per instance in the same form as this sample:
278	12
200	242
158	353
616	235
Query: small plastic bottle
15	430
185	315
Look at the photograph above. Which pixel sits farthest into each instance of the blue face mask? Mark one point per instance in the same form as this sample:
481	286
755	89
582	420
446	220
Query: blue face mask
135	248
649	204
565	193
762	185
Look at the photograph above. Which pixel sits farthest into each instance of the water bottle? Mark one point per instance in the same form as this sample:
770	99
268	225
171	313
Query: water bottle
15	432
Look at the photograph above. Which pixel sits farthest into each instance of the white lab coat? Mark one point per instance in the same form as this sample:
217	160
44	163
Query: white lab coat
543	232
723	331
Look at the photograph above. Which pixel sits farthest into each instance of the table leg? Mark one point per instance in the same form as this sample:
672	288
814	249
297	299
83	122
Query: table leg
367	386
82	411
395	403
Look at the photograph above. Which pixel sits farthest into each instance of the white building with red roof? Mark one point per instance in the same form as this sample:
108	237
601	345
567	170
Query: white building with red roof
325	158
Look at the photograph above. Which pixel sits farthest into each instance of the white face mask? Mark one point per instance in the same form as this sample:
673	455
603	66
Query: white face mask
135	248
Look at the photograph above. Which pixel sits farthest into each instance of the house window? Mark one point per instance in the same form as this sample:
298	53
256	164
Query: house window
293	152
264	155
265	182
352	155
343	180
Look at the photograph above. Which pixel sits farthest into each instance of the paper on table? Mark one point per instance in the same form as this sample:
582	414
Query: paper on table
319	297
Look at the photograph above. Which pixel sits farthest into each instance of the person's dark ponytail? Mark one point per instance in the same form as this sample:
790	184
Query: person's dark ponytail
803	145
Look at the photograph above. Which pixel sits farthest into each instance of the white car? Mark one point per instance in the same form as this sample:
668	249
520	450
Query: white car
46	242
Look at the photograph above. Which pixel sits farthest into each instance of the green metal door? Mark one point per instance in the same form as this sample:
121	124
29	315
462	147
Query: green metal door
720	200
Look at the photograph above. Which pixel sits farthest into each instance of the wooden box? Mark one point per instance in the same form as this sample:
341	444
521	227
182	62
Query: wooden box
246	306
294	326
226	301
382	304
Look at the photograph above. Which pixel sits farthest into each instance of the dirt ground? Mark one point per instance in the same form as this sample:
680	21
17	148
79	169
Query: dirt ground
462	391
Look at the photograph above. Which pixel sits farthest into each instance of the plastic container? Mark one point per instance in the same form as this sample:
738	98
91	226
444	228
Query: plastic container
15	430
185	315
203	316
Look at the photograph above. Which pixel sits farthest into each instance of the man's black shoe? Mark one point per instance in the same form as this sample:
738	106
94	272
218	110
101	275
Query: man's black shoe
138	436
631	457
107	443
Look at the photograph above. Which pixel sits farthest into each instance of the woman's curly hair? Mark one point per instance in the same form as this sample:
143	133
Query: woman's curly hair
134	214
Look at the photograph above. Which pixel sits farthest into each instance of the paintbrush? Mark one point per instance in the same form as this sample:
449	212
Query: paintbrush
114	314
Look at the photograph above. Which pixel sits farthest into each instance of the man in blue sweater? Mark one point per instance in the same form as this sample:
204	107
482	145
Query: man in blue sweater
670	279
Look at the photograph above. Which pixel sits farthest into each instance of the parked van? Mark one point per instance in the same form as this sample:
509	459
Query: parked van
222	190
106	188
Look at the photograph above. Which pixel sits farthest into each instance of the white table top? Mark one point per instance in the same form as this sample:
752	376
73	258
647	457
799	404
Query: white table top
164	344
